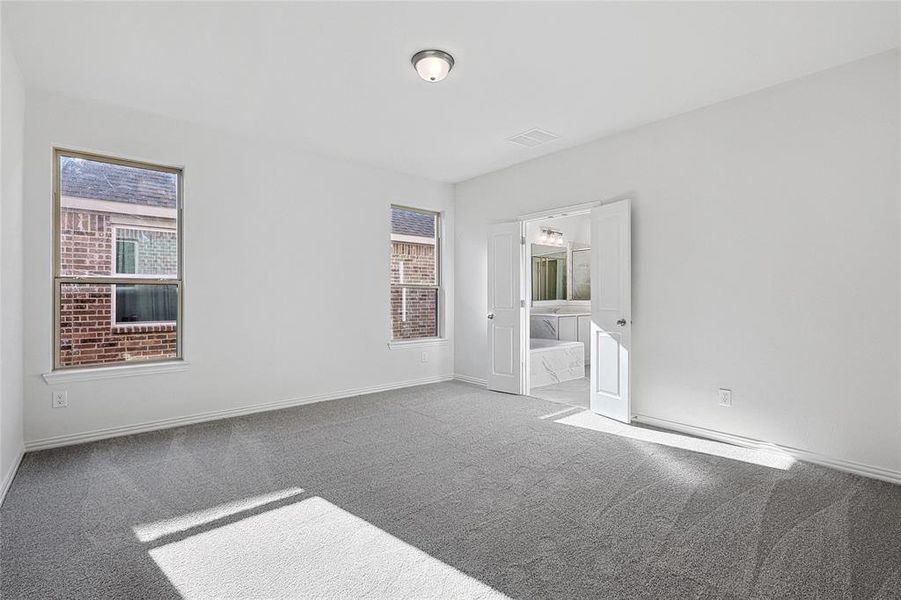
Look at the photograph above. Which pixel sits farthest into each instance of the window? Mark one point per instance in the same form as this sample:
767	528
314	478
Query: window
126	257
143	251
415	274
146	304
117	261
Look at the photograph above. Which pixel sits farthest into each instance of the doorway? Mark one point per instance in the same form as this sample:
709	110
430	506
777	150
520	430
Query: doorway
559	299
558	302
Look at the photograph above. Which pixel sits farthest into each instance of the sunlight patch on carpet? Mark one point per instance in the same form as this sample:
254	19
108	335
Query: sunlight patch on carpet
309	549
758	456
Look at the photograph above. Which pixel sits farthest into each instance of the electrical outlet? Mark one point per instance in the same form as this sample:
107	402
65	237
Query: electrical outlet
60	400
725	397
424	357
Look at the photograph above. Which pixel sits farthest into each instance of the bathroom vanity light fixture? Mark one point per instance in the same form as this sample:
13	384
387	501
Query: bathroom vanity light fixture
550	237
432	65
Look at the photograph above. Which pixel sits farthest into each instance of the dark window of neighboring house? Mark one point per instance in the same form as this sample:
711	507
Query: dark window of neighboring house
146	303
415	274
125	256
117	267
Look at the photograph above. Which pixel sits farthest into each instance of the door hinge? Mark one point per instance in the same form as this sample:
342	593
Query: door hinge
522	241
522	303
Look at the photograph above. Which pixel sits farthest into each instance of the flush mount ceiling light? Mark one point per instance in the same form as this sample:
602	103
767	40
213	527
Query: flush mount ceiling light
432	65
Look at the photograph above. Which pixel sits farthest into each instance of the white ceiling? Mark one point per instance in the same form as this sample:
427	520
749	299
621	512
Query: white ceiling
335	77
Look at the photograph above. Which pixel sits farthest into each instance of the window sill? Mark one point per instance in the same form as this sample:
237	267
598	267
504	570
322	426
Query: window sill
113	372
127	328
420	343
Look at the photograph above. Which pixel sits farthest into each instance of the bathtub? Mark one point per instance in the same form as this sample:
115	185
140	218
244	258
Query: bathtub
554	361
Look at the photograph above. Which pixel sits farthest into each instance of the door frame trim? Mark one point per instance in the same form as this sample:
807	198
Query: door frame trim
563	211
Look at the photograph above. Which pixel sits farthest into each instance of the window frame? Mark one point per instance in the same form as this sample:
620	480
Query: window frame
438	286
58	280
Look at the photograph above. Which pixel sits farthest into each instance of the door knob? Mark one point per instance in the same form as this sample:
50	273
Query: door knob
490	315
621	322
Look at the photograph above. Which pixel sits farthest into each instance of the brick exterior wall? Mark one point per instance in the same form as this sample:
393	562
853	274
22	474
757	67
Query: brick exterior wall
88	335
85	243
420	319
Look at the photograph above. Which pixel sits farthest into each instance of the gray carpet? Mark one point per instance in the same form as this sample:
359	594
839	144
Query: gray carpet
437	491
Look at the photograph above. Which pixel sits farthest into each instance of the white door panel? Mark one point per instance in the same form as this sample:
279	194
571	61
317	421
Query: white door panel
611	309
505	312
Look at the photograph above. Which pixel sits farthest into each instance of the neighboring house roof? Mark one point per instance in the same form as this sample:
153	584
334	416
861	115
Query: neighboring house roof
84	178
411	222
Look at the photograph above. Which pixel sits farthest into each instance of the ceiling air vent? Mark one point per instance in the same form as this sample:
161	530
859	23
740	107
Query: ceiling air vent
533	137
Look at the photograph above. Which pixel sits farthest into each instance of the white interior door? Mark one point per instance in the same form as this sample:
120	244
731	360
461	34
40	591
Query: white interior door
504	308
611	309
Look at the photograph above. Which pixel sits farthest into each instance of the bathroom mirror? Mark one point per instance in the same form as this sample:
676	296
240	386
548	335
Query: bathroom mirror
581	268
549	273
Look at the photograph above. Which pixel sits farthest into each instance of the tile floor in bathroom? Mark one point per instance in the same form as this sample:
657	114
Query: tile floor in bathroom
574	392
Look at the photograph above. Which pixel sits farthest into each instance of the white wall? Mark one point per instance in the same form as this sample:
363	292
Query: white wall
12	120
575	228
269	314
765	259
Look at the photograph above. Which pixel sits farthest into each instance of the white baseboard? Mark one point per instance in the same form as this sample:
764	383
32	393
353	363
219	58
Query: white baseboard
472	380
839	464
101	434
10	475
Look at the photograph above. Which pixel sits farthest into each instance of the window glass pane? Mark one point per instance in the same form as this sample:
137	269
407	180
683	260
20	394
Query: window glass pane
89	336
101	203
414	256
146	303
125	256
414	313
